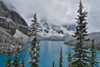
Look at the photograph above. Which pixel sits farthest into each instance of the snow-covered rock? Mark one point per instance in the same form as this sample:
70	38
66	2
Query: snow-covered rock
21	36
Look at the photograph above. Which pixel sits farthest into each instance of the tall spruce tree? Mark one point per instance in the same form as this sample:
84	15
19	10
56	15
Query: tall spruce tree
22	63
8	59
81	58
34	47
61	59
16	60
93	58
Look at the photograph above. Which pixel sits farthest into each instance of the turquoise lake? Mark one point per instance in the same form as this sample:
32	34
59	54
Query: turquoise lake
49	51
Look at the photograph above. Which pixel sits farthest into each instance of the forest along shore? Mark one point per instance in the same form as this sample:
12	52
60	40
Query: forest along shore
73	43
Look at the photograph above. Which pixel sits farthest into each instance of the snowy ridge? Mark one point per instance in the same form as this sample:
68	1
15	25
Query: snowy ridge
52	31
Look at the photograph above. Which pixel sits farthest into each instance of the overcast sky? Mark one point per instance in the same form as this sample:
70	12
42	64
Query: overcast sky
59	11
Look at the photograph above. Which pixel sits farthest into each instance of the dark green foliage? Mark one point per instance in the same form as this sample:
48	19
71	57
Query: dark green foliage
34	65
16	61
61	59
93	58
34	47
22	63
8	60
53	64
81	57
69	58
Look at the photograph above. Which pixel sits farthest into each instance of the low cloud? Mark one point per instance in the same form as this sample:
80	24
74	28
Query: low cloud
58	11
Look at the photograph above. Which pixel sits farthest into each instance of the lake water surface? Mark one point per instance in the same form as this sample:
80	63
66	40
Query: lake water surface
49	51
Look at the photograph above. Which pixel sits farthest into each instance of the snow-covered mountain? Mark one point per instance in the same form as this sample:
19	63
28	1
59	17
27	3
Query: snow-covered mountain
52	31
12	22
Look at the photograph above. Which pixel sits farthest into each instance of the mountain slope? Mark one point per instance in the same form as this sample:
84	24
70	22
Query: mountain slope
10	20
9	42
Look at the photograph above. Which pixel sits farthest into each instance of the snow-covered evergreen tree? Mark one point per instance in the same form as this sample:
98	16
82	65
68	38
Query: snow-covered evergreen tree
61	59
22	63
34	26
34	47
93	58
81	57
8	60
16	60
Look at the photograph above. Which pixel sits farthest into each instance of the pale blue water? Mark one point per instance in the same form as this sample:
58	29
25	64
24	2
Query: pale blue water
49	50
